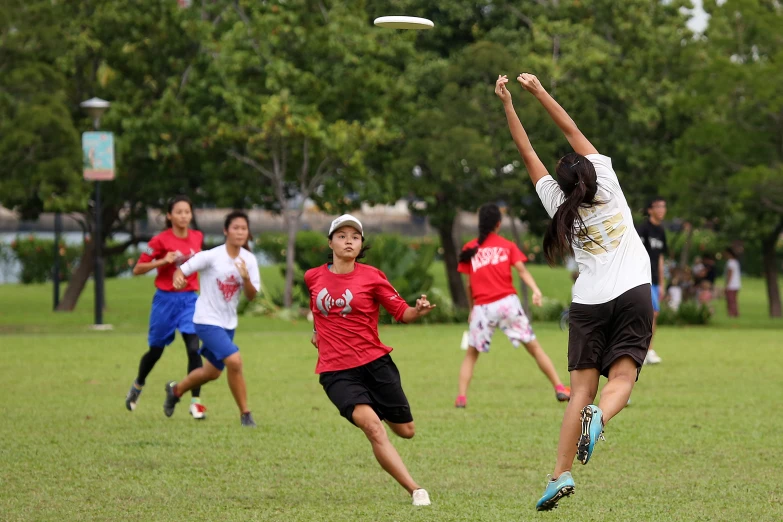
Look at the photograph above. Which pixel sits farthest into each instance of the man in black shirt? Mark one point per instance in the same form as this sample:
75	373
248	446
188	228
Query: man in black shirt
653	236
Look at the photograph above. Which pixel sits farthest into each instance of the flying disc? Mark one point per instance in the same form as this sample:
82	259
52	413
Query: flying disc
404	22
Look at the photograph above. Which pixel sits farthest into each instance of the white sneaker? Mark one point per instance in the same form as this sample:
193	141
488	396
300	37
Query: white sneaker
198	411
421	498
652	357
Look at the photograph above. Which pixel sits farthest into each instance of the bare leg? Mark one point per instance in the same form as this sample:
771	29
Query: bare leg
617	391
236	380
584	386
196	378
366	419
406	431
543	361
466	370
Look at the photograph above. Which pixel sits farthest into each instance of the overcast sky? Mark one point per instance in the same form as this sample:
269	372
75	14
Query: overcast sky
699	20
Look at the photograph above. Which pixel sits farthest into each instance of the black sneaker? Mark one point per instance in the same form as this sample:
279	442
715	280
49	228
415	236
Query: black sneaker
171	399
247	420
132	398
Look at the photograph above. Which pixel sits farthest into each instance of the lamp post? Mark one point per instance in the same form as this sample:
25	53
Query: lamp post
95	107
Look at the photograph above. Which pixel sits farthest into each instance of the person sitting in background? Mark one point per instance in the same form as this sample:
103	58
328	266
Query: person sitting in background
706	280
675	290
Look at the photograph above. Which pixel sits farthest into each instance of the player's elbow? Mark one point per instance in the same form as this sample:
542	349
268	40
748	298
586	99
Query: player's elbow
137	270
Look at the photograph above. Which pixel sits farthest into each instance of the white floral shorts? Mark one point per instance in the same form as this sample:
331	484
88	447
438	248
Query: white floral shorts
506	313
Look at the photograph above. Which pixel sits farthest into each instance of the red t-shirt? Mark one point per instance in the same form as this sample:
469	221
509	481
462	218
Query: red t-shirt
185	247
490	268
345	312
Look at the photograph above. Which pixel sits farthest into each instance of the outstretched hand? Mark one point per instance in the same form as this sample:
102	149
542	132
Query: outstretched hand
530	83
500	89
423	306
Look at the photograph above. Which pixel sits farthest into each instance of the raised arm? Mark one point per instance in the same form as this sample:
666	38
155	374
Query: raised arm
535	168
579	143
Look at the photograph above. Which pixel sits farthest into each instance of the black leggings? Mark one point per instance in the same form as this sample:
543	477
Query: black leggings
149	359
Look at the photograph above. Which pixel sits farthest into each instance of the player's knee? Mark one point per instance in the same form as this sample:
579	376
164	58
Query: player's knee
374	431
582	395
406	431
234	363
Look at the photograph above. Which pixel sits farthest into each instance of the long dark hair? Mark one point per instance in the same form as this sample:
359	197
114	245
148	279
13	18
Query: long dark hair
362	251
170	206
489	217
577	179
238	214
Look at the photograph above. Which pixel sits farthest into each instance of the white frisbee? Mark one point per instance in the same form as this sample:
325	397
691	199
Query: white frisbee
404	22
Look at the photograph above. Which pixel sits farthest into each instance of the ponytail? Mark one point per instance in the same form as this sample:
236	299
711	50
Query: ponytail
577	179
489	217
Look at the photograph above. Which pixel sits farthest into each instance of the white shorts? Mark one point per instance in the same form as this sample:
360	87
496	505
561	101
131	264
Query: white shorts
507	313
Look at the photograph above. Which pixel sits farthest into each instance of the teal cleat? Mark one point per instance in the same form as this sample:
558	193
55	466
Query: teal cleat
592	431
556	489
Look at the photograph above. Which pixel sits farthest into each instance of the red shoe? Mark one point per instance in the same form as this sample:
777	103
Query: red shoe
198	411
461	402
563	393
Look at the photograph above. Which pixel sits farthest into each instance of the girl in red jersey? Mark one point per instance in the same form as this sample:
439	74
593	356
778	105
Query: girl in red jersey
488	260
356	370
172	309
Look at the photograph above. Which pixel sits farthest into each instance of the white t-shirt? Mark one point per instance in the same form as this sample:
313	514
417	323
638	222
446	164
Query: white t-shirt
221	285
612	260
735	282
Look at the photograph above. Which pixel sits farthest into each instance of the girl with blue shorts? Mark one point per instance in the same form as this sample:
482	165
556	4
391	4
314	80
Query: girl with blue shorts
225	270
172	308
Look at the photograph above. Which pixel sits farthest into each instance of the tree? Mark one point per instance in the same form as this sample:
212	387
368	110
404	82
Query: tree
38	141
144	57
731	157
306	92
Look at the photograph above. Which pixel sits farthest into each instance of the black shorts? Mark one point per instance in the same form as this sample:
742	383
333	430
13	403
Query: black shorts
600	334
376	383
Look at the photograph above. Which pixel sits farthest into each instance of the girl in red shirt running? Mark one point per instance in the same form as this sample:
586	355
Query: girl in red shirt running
487	261
172	309
356	370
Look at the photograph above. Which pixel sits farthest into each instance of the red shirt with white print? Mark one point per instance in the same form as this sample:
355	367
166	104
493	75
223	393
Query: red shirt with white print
345	312
185	247
490	269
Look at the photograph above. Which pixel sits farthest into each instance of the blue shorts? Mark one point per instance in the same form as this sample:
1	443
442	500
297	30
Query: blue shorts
216	344
655	298
171	311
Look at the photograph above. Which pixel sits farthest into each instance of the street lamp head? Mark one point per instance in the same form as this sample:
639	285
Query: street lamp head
95	107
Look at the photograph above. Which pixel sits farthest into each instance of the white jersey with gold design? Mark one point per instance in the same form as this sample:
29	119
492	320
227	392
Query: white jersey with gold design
610	256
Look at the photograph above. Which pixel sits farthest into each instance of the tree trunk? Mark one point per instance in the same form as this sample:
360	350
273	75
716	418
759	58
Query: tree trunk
518	240
78	280
771	274
450	254
292	226
686	247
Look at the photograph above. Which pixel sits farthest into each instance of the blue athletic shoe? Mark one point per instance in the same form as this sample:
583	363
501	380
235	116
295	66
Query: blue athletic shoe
556	489
592	431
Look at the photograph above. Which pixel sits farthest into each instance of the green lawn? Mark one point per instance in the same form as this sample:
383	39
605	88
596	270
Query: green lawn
701	441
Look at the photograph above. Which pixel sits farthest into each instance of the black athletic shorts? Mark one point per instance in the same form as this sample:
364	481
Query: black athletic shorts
376	383
600	334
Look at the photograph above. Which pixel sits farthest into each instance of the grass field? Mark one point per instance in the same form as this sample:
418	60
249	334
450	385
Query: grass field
701	441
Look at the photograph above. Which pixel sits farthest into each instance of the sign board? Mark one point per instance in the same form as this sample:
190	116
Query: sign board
98	150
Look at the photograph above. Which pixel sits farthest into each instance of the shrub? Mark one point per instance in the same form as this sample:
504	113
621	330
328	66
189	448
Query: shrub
551	310
37	258
689	312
